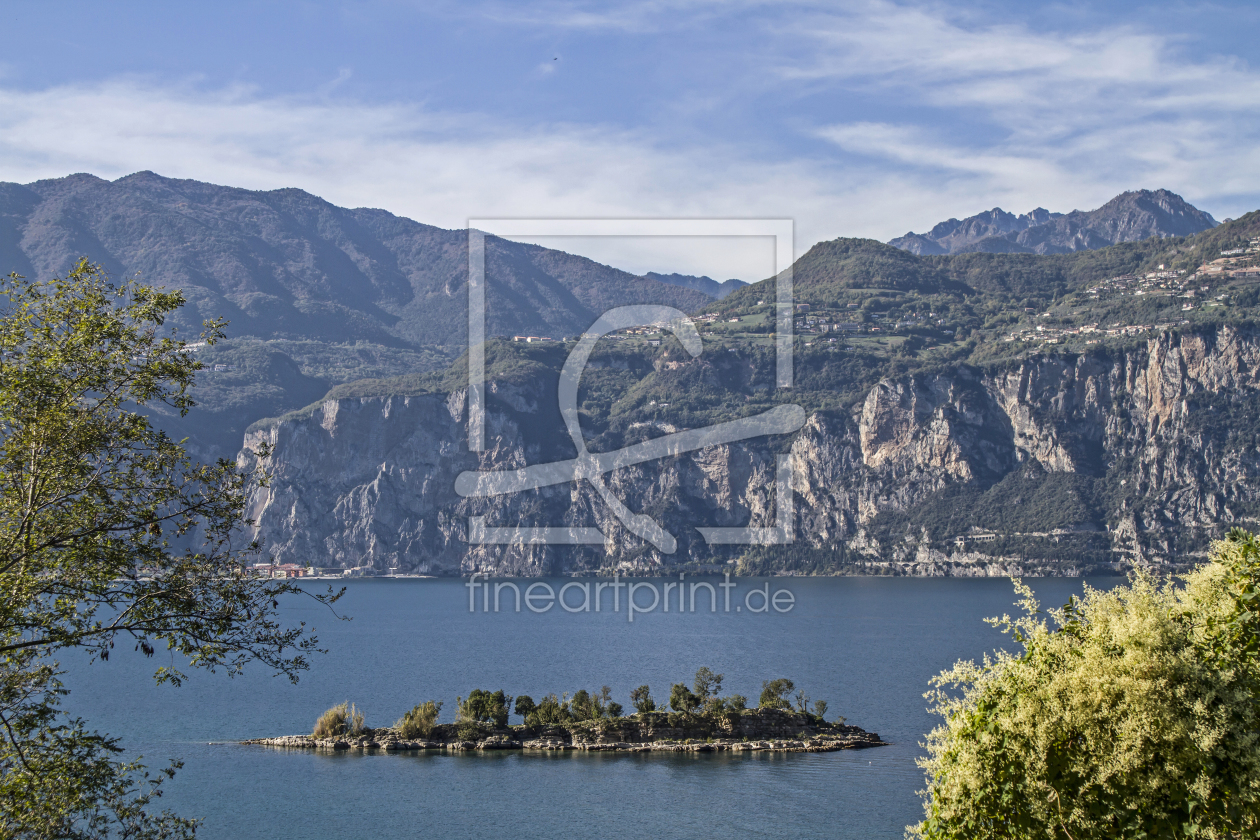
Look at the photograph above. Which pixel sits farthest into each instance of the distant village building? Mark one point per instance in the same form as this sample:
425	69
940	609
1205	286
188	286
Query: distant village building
282	570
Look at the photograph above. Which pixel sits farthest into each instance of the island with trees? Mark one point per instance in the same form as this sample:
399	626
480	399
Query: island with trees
697	719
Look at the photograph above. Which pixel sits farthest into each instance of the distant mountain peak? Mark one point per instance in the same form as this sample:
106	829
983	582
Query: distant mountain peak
1130	216
705	284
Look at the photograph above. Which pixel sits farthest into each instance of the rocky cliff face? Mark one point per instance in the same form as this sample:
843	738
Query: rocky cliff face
1051	465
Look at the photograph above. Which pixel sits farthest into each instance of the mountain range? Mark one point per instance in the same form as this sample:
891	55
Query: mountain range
1129	217
284	264
1086	408
315	295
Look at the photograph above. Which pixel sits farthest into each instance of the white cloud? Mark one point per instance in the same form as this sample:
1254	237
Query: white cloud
645	16
1003	113
436	168
985	115
1070	118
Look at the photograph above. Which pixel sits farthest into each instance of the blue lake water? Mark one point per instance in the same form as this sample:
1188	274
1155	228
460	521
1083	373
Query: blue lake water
866	645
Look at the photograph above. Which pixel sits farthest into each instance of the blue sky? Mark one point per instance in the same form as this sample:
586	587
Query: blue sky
854	119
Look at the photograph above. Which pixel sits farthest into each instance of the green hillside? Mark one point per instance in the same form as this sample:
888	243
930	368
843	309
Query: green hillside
915	314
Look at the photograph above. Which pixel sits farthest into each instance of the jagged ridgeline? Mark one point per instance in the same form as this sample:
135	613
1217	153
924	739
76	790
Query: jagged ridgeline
973	413
1129	217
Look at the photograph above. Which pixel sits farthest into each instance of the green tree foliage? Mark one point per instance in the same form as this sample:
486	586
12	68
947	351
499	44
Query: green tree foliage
682	700
774	694
641	699
551	711
484	707
525	705
109	533
594	705
583	705
419	722
707	684
708	688
1128	713
471	730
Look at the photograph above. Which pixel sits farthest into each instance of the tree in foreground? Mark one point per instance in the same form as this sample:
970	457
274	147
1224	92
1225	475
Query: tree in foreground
94	506
1128	713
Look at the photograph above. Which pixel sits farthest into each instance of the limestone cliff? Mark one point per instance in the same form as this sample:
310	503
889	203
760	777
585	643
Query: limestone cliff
1054	464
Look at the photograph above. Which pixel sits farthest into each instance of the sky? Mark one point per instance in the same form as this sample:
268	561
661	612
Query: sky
867	118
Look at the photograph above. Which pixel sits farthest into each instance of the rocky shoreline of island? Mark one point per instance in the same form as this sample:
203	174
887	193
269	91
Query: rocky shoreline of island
752	730
697	719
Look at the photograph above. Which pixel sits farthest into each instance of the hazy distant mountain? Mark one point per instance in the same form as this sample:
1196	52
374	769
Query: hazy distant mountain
1129	217
707	285
285	264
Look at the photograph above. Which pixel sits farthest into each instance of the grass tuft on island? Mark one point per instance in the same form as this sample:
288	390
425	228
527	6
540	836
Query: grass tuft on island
699	719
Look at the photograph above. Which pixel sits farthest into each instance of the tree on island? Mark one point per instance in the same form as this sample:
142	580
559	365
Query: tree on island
93	504
583	706
525	705
682	700
594	705
1133	712
550	711
484	707
605	703
707	689
484	711
641	699
775	693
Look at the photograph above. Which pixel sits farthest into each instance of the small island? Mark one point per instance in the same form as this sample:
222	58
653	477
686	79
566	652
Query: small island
698	720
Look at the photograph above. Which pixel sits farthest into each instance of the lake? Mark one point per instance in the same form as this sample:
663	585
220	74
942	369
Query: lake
865	645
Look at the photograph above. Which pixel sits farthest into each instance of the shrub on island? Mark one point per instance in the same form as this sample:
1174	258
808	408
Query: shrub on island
339	721
419	722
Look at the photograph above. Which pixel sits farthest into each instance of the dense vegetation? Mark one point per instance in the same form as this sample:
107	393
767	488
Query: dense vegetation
485	711
1128	713
110	534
